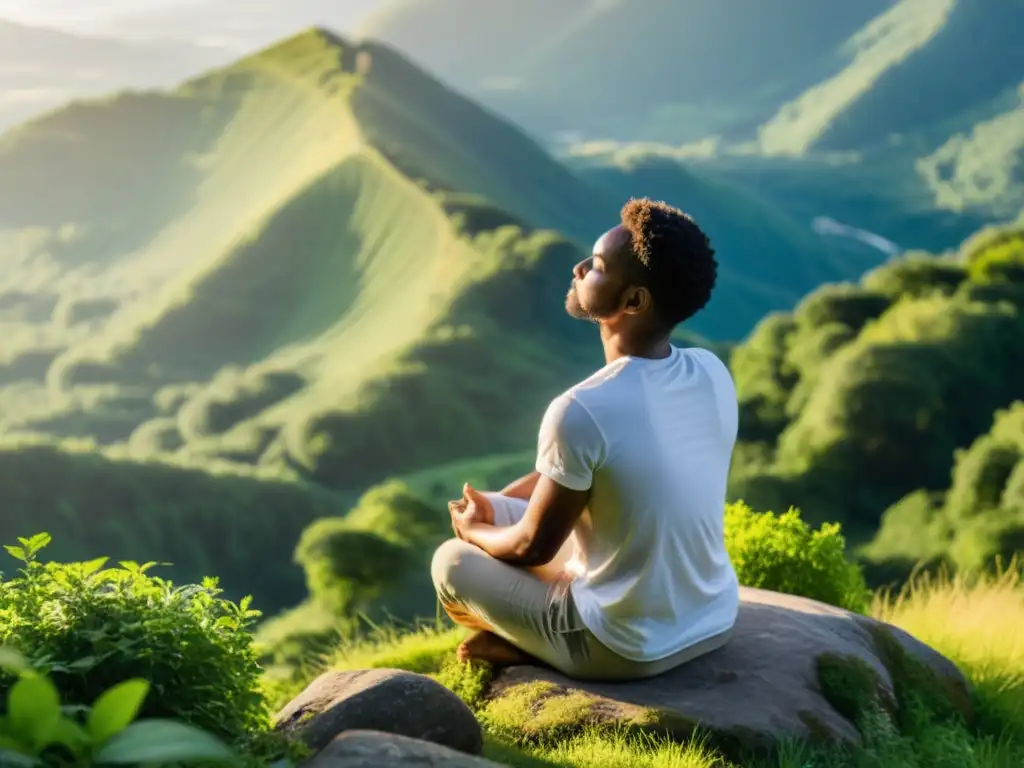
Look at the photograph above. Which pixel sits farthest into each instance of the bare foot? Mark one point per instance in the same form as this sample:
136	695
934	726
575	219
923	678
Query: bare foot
488	647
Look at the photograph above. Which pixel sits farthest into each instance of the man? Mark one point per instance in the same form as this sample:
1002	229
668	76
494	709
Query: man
608	561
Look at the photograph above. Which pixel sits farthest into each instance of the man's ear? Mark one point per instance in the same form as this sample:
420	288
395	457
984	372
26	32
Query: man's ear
638	299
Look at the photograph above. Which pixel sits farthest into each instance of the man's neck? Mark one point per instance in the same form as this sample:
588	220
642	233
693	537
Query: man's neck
617	344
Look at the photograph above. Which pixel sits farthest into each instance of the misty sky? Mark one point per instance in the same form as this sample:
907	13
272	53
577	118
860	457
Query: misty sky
235	24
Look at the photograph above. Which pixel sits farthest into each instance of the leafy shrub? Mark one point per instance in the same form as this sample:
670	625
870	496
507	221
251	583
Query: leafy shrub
782	553
90	627
353	562
37	731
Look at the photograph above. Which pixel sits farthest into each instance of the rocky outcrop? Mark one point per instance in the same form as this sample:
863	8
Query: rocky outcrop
389	700
793	668
374	749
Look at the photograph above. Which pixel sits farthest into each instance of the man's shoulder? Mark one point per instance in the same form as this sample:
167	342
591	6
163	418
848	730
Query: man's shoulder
712	363
600	384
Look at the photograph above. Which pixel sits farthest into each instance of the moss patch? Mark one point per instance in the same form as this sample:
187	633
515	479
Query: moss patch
538	713
852	687
820	734
918	687
467	681
739	744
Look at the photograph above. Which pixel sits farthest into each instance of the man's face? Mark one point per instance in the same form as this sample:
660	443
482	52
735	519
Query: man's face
600	282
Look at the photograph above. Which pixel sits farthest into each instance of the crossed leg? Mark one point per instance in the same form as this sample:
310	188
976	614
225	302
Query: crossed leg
513	594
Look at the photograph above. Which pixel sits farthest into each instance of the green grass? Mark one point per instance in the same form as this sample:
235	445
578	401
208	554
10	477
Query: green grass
976	623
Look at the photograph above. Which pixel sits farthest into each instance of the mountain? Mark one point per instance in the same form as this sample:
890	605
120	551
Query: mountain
796	74
41	68
317	265
915	102
292	247
252	263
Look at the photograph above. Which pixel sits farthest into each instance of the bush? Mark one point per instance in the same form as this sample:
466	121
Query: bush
89	628
782	553
37	730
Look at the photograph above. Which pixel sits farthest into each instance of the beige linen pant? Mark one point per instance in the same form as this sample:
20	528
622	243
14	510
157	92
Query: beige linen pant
533	608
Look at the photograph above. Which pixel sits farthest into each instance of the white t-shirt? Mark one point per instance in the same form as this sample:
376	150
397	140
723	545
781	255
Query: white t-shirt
654	440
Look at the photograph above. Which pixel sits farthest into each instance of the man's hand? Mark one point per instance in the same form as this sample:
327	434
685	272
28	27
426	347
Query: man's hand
535	540
473	508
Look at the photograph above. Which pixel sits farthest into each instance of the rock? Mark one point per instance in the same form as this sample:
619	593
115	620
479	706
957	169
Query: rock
388	700
375	749
793	668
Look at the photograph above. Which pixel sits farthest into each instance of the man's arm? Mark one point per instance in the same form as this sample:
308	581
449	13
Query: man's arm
535	540
523	487
570	448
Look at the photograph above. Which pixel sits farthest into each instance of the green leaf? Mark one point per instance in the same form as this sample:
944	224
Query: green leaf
66	731
92	566
33	708
12	661
116	708
159	741
16	552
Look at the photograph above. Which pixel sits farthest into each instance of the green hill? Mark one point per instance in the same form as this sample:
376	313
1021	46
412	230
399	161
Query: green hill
865	396
319	265
653	70
759	242
900	117
195	520
810	76
271	262
282	252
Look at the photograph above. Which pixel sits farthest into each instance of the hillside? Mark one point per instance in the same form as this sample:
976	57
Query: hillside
858	405
797	74
916	102
391	232
356	269
617	69
194	520
767	242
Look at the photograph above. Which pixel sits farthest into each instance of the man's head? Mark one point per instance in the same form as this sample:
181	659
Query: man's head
649	273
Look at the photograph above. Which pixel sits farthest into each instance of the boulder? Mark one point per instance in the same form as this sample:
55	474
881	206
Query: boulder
793	668
375	749
389	700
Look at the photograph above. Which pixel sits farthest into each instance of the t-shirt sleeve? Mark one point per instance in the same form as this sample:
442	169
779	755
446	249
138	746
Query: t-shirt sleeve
570	446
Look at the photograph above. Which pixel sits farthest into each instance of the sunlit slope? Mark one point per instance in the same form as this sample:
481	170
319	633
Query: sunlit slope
810	75
981	168
434	134
308	259
920	64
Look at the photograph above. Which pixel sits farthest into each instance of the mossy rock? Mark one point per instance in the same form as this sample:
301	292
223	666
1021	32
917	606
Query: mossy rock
793	669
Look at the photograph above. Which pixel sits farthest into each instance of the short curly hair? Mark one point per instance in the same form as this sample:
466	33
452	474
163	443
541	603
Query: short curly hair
676	261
